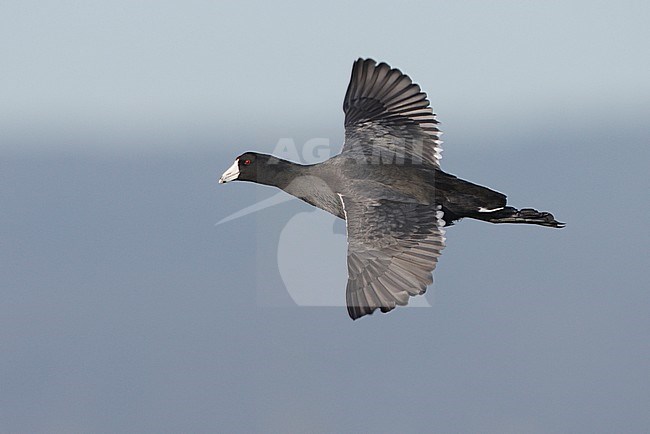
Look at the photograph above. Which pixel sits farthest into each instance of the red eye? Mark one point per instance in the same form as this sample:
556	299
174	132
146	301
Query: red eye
247	162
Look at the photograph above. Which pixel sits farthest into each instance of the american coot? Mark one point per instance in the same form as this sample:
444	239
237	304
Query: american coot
388	186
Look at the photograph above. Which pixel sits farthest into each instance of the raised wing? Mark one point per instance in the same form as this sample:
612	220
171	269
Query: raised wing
388	117
392	249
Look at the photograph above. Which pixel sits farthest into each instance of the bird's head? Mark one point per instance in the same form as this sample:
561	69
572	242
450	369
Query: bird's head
243	169
251	166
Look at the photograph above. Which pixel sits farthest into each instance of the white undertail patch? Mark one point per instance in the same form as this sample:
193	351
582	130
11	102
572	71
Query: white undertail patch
481	209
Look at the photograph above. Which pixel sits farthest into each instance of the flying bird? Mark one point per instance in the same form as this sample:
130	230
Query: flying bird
388	186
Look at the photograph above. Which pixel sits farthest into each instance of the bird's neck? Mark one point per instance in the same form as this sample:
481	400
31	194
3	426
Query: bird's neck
281	173
303	182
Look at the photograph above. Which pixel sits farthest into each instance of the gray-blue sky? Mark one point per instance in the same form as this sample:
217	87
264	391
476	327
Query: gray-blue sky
125	309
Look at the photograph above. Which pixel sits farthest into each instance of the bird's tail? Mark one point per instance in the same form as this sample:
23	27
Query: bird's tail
524	215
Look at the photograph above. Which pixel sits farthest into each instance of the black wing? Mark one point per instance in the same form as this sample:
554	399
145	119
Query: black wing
387	116
392	249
